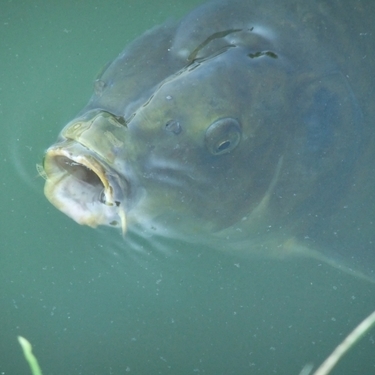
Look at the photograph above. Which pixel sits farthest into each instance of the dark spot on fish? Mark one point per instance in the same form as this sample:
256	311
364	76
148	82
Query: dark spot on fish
263	53
121	120
217	35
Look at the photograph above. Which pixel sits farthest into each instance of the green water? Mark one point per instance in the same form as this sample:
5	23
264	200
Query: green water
90	306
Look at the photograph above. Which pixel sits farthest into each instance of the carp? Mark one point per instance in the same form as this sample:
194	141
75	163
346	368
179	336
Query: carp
247	126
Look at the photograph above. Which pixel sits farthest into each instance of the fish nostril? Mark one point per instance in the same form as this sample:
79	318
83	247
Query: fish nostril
173	126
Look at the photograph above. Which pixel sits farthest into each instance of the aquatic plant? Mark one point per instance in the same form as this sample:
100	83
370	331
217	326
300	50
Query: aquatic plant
324	369
30	358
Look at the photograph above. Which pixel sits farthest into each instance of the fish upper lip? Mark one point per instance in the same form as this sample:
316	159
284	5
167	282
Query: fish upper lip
84	187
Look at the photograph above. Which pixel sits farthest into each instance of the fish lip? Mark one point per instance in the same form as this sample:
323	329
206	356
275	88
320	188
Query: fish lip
84	187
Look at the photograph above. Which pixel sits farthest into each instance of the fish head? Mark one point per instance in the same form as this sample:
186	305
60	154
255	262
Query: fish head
196	156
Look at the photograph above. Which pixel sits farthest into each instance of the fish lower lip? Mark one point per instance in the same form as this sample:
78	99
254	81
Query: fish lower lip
82	187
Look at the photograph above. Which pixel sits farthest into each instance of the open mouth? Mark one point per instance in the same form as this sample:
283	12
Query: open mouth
82	187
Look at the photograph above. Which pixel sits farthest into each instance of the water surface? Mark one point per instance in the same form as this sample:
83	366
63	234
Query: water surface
91	306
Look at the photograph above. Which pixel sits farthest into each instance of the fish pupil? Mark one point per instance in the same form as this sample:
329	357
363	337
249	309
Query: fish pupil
223	146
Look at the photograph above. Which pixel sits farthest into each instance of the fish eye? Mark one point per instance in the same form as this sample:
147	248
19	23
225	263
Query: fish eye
223	136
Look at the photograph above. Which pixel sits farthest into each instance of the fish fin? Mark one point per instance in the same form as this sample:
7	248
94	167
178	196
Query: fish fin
293	247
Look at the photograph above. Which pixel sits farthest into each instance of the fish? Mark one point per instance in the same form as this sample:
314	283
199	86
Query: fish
247	126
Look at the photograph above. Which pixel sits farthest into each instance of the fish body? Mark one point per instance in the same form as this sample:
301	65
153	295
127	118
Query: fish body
247	126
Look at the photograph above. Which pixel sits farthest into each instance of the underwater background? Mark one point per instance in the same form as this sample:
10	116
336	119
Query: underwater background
91	305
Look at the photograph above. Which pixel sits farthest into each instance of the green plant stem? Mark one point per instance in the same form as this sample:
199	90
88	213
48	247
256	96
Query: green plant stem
30	358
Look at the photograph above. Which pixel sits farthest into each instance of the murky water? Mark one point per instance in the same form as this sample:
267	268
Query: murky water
88	304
